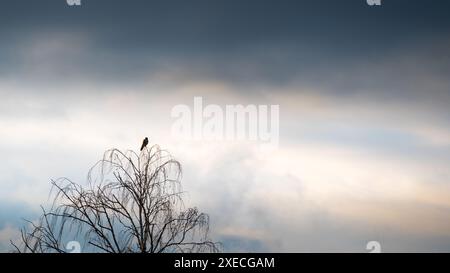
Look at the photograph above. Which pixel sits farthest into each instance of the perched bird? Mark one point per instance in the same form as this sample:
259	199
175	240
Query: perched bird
144	143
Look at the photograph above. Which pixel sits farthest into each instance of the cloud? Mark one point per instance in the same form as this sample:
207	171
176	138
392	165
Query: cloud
241	244
345	173
364	148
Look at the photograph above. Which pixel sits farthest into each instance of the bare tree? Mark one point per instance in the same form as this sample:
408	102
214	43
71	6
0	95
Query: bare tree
132	203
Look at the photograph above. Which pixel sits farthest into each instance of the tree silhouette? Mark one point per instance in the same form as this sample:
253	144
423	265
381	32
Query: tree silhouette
132	203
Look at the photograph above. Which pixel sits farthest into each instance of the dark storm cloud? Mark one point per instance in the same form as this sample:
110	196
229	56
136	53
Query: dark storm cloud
221	24
249	41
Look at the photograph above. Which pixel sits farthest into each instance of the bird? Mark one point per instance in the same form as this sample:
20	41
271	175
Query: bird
144	143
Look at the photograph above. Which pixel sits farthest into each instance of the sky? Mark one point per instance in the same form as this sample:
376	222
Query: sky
363	93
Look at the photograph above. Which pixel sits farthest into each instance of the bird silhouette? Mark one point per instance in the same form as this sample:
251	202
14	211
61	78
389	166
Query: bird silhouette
144	143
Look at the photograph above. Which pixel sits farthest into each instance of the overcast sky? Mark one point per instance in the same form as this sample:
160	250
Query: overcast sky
363	92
